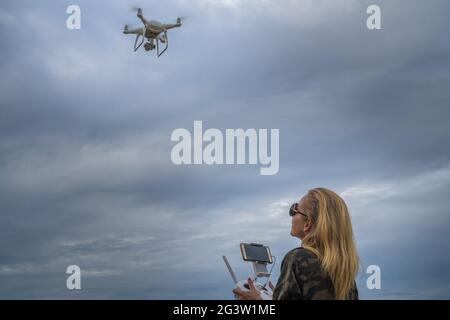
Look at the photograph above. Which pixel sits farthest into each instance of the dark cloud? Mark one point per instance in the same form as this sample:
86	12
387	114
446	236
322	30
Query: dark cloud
86	176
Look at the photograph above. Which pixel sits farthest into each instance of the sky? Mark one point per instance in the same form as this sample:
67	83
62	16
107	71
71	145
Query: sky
86	176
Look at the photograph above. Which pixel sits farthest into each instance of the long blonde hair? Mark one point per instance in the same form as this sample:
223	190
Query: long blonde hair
331	238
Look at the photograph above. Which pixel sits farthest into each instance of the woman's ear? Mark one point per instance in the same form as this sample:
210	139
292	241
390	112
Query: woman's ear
307	226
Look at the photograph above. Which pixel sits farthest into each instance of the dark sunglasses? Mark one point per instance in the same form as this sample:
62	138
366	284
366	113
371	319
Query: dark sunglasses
294	210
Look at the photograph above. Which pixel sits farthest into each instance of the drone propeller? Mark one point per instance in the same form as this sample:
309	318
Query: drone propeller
130	27
138	10
134	8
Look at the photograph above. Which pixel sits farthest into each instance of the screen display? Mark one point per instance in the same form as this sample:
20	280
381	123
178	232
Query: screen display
256	253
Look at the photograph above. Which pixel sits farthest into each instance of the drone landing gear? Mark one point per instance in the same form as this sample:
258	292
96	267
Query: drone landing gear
150	45
136	46
163	39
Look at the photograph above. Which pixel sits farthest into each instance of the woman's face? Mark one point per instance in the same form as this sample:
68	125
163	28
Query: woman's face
300	224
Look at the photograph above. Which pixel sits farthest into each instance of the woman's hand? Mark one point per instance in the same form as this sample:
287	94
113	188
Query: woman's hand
252	294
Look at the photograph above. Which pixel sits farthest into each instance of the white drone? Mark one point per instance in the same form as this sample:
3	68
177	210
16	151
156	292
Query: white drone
153	31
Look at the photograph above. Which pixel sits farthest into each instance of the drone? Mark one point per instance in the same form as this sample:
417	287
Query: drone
153	31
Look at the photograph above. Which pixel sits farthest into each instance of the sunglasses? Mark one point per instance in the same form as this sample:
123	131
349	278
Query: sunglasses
294	210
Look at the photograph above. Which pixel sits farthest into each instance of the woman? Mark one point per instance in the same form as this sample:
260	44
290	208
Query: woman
326	265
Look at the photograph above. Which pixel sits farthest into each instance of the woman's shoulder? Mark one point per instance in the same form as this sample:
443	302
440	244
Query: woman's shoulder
305	264
302	256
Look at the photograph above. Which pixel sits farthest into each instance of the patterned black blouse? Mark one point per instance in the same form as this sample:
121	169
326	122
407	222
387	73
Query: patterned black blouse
302	278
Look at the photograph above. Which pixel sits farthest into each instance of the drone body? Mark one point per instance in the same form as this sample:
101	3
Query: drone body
153	31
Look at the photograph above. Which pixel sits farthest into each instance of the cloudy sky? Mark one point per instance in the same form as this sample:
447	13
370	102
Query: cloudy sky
85	171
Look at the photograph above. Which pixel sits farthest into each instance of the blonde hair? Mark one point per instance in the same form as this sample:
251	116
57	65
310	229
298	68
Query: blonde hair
331	238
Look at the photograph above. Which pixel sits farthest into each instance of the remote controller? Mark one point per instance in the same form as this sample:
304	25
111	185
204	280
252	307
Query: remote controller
264	292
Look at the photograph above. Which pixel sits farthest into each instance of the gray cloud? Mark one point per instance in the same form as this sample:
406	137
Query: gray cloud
86	176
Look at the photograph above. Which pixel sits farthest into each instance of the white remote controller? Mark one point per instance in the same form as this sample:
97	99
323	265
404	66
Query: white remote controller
265	293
